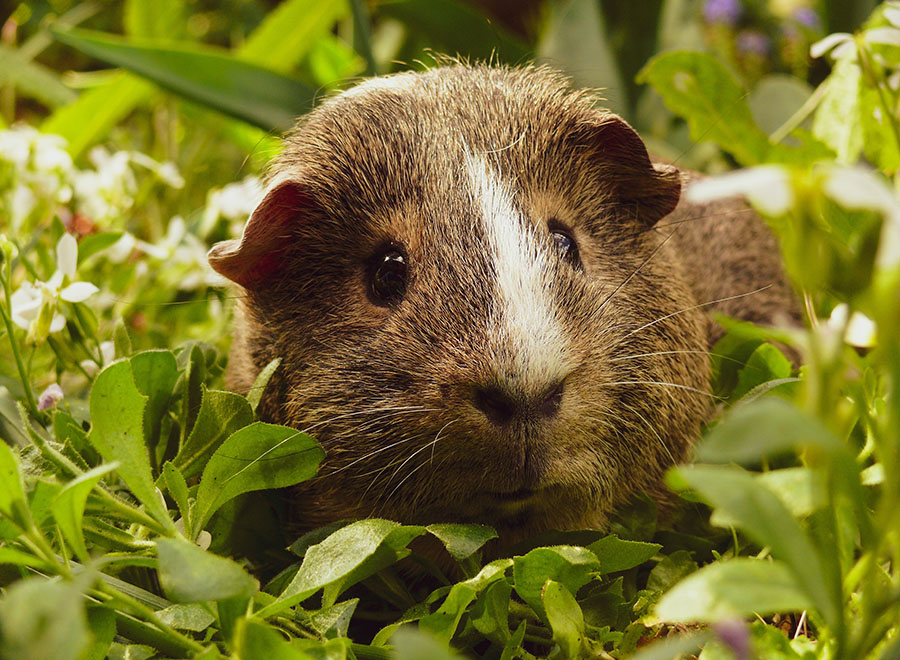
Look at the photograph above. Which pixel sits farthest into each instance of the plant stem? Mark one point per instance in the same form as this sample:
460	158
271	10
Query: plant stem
23	374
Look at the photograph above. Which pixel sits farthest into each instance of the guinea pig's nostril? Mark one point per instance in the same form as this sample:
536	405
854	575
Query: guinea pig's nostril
496	405
553	399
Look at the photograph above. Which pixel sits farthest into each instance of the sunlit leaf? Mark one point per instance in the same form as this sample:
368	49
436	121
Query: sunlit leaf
189	574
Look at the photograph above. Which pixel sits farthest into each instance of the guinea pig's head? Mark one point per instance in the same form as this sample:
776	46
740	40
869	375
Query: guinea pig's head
476	313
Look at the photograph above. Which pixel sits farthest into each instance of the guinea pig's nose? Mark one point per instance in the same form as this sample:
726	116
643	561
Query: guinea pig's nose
501	407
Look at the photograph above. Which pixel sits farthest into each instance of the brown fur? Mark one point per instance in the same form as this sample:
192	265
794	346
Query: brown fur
388	391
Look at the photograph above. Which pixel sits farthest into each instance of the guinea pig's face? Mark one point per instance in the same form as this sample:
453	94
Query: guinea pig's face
476	316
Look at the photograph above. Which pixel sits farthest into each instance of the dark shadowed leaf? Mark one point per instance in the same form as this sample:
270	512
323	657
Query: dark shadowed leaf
462	541
221	414
155	374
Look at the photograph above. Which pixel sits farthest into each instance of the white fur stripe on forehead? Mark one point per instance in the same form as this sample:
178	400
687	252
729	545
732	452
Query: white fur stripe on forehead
526	318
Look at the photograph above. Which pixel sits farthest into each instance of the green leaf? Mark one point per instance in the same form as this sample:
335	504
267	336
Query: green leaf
565	617
670	570
68	507
191	616
763	428
333	621
570	565
204	74
288	32
673	648
490	613
412	644
12	489
254	396
255	640
32	79
838	122
349	555
733	589
766	363
221	414
574	40
802	490
751	506
177	487
462	541
121	339
444	622
94	243
457	28
89	119
189	574
42	619
102	624
616	555
260	456
155	18
117	432
700	89
775	99
155	375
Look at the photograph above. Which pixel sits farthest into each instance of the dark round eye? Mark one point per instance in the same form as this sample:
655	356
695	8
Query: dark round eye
566	247
387	275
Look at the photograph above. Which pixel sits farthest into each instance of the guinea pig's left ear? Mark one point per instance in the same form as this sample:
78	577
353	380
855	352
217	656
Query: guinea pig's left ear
643	190
258	255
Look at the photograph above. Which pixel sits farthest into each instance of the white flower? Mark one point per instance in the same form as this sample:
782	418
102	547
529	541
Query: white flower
861	330
107	355
34	305
181	248
52	395
107	192
234	202
767	187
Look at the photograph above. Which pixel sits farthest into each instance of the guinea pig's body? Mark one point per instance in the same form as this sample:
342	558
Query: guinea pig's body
479	313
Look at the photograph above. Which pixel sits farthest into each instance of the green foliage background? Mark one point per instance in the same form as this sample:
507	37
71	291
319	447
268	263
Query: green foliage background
137	516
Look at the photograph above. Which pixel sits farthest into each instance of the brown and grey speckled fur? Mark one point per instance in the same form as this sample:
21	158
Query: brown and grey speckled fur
390	391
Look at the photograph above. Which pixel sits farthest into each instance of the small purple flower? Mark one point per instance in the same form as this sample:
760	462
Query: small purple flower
808	17
50	397
722	11
734	635
750	42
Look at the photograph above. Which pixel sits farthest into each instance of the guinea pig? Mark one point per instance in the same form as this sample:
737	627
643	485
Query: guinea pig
480	314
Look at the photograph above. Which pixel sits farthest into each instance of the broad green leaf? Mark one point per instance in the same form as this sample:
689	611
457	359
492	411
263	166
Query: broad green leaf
190	616
94	243
462	541
254	396
189	574
12	490
570	565
751	506
204	74
68	507
257	457
879	138
512	648
412	644
565	617
673	648
289	31
41	619
32	79
838	122
177	487
733	589
700	89
221	414
90	119
333	621
574	40
131	652
444	622
766	363
102	624
802	490
775	98
762	428
615	555
349	555
117	432
155	375
457	29
255	640
670	570
11	556
490	613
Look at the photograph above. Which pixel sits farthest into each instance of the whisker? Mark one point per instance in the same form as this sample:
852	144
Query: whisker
653	430
688	309
356	413
679	352
634	272
654	382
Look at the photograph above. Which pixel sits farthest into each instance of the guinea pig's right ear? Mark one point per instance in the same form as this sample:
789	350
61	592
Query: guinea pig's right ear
257	255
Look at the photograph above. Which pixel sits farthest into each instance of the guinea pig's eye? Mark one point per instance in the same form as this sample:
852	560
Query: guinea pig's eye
387	274
565	245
